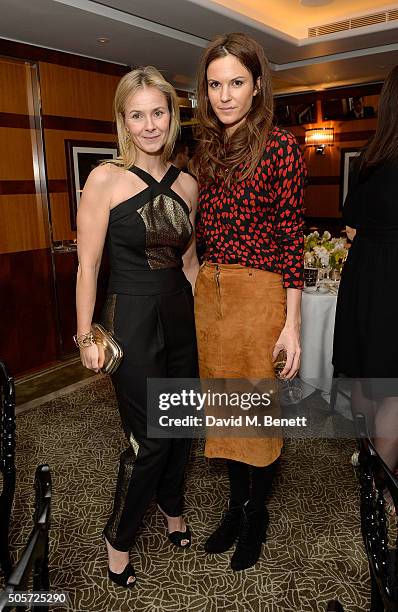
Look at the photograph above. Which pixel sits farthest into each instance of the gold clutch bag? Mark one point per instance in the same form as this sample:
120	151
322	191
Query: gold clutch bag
108	348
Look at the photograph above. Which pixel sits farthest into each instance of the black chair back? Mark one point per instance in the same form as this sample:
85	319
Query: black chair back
31	572
7	464
334	606
379	531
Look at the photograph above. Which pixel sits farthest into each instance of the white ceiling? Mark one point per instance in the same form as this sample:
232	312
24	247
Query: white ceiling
294	17
171	35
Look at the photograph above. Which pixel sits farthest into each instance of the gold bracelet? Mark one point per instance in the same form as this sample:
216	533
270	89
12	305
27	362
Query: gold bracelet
84	340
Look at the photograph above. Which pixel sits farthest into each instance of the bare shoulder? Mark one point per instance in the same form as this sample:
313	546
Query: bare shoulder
189	184
104	175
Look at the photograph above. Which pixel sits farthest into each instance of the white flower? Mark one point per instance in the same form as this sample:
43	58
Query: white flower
322	254
308	258
338	243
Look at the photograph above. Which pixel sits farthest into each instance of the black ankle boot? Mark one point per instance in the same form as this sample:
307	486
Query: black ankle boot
226	533
252	534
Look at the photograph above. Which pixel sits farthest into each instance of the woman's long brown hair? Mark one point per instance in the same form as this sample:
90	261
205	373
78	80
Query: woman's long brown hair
384	144
217	155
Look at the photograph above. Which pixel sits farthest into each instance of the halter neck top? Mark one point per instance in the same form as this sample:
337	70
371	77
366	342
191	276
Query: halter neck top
147	232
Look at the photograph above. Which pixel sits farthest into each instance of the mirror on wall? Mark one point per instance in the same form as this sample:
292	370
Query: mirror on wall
294	114
350	108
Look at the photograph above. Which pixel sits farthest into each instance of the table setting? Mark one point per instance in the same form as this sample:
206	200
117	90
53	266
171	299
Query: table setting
324	259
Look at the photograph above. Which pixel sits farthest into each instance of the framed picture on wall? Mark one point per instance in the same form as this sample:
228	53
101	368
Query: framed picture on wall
346	161
82	156
294	114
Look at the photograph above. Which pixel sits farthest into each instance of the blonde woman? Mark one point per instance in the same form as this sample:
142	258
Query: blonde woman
144	208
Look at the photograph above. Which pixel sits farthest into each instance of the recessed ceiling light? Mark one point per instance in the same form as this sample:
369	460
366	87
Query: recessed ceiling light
315	2
103	40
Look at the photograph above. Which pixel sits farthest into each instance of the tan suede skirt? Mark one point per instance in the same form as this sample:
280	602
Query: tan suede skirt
239	314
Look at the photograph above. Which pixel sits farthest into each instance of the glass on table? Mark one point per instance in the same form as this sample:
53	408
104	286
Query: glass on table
323	272
311	276
334	274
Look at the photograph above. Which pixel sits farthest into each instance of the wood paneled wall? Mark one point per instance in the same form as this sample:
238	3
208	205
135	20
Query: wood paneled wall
69	92
28	322
76	103
323	191
13	91
323	197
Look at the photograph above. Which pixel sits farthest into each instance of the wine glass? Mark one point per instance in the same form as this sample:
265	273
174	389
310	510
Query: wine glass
291	391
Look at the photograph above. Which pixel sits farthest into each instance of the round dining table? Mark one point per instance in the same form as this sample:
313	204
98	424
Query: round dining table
317	327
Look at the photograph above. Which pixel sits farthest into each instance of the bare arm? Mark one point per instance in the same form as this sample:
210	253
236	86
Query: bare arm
190	259
92	224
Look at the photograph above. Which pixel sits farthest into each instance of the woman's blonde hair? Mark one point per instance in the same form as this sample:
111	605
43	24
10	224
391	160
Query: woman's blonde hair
145	76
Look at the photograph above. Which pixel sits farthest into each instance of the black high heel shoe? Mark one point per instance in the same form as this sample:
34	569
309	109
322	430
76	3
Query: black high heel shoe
122	579
176	537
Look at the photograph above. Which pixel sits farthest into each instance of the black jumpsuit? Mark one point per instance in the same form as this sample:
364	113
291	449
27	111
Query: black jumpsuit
149	308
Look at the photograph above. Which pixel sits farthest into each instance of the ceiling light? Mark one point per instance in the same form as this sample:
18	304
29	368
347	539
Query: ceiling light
103	40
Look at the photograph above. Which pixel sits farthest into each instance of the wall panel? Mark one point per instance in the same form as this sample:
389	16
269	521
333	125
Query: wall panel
13	91
28	332
23	223
60	217
76	93
322	201
16	154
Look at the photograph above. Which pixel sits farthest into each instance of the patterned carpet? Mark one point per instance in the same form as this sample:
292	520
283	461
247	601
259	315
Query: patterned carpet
314	551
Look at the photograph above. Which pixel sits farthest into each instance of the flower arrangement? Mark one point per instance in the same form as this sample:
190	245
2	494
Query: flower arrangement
324	251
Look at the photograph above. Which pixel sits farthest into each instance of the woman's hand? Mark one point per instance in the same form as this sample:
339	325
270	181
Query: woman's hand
91	357
350	232
289	340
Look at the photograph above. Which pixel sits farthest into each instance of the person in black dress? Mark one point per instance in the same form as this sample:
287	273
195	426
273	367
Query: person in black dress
366	330
144	208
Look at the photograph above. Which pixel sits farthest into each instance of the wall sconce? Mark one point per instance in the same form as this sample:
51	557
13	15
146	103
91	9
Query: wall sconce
319	138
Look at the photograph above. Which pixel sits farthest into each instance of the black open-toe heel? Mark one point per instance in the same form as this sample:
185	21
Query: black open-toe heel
176	537
123	578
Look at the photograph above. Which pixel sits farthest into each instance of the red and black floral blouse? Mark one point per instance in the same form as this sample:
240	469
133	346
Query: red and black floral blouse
258	222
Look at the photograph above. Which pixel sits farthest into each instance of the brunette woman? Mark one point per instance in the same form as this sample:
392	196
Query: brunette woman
145	208
366	330
248	294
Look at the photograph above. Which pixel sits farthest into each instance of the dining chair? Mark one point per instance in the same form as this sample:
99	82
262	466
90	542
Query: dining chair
7	464
379	527
31	573
334	606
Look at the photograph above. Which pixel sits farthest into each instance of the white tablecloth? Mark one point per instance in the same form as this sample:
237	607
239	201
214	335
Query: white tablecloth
317	325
